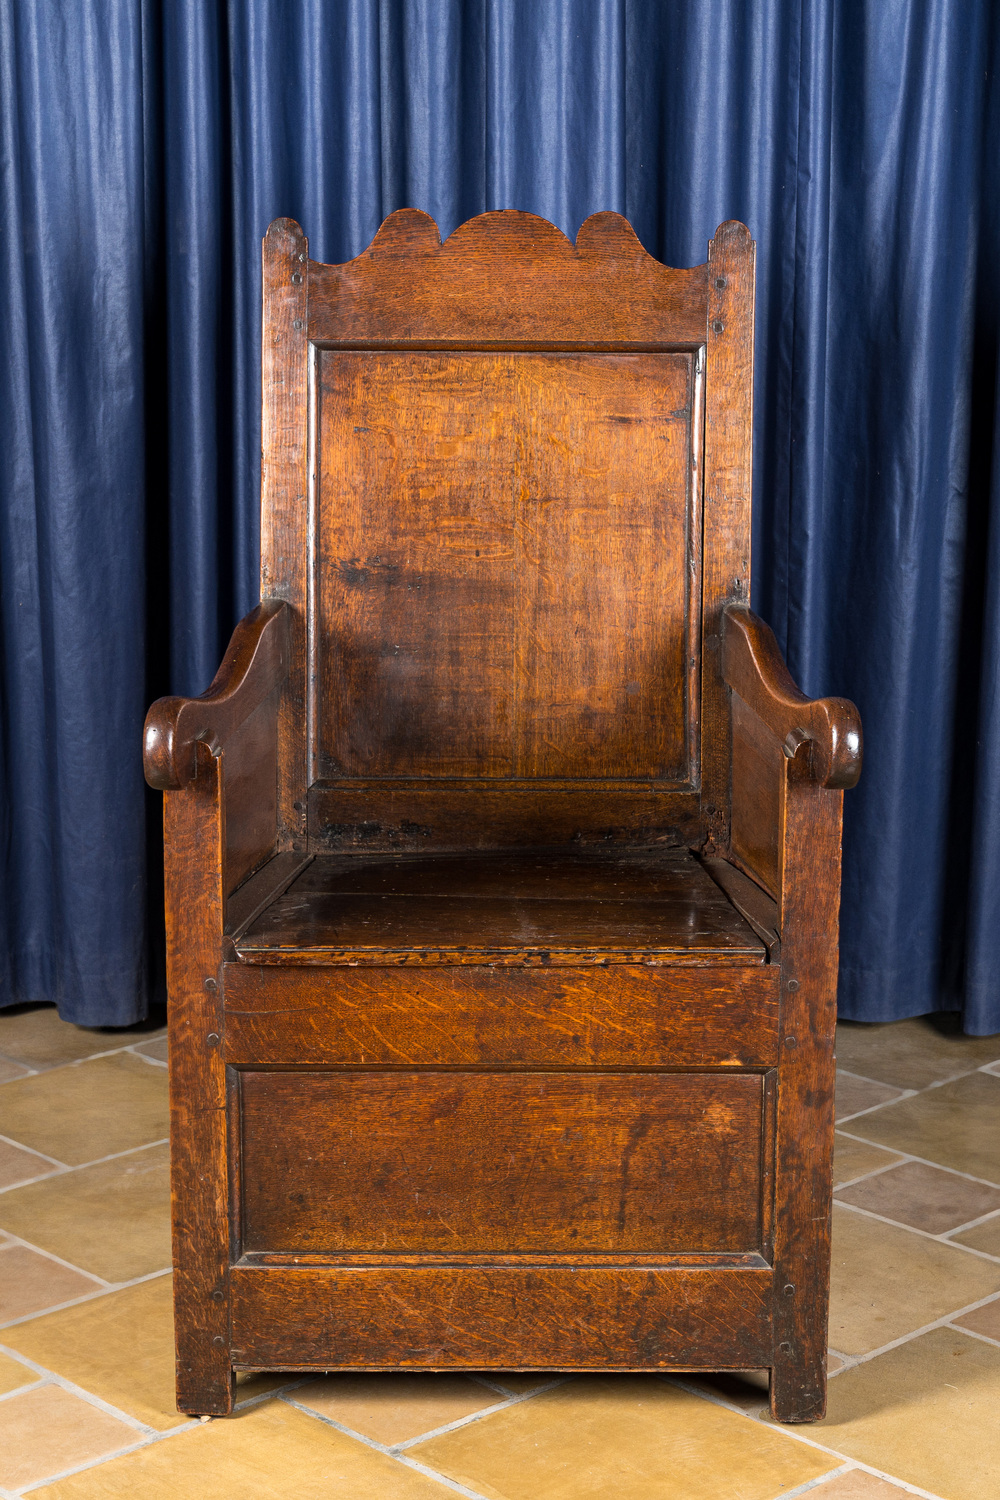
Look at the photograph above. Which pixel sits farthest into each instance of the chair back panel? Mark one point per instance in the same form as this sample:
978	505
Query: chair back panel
506	565
487	493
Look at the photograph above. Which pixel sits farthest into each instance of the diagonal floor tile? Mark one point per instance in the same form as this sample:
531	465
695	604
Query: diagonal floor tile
9	1070
18	1165
924	1412
984	1320
857	1485
912	1054
13	1374
119	1347
37	1036
518	1382
271	1453
854	1094
112	1219
854	1158
926	1197
394	1408
157	1048
984	1237
47	1430
87	1110
887	1282
29	1283
635	1438
955	1125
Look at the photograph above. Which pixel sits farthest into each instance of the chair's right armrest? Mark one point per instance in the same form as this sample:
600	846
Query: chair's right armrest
754	667
254	665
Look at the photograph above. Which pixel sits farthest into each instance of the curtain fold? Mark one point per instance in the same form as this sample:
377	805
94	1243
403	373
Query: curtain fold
144	148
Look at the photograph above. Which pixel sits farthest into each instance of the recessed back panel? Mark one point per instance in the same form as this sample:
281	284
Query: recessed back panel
507	572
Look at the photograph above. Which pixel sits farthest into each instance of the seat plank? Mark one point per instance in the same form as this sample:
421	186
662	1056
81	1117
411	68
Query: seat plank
541	903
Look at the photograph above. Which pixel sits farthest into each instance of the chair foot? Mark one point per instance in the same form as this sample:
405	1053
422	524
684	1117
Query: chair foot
798	1391
205	1393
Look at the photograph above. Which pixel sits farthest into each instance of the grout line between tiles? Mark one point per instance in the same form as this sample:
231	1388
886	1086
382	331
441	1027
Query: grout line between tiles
924	1160
863	1176
73	1062
812	1484
476	1416
249	1402
101	1291
80	1165
994	1213
387	1452
22	1147
52	1378
973	1333
153	1062
12	1187
452	1484
924	1234
936	1083
16	1240
14	1062
95	1463
796	1435
851	1361
29	1385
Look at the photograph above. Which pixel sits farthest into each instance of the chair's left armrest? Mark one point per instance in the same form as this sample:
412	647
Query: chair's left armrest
754	668
254	665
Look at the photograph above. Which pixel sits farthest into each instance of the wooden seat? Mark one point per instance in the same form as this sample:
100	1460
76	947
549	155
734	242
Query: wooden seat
503	854
542	906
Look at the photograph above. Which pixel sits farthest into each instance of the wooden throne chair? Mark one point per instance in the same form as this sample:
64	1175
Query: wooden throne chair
503	854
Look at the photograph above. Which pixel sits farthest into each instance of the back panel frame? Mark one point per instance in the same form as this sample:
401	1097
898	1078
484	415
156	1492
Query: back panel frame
505	282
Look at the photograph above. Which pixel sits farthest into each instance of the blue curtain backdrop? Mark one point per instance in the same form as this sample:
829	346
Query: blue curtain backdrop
145	146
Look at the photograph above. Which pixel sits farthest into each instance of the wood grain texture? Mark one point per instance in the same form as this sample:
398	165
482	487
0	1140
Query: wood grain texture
506	575
473	813
751	901
250	779
810	902
252	669
726	517
758	770
506	280
552	1163
755	669
193	836
286	499
542	904
617	1017
500	1318
485	503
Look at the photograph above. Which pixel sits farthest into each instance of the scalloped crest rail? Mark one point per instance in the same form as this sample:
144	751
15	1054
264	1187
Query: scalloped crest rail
503	854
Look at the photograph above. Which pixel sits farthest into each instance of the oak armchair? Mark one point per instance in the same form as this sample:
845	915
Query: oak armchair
503	854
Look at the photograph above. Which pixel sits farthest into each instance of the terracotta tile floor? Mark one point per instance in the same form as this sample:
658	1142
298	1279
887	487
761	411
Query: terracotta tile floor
86	1403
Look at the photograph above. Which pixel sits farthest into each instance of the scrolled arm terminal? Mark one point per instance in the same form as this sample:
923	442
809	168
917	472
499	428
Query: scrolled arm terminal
254	665
754	668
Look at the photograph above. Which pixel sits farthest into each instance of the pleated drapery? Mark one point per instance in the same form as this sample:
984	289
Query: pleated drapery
146	145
